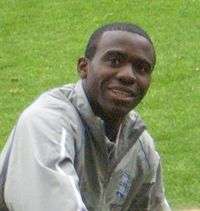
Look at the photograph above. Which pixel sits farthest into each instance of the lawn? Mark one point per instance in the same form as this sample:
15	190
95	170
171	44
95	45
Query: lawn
41	40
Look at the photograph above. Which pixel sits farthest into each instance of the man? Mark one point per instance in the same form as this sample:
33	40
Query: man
81	147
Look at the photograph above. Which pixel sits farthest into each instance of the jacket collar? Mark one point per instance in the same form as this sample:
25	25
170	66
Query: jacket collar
131	129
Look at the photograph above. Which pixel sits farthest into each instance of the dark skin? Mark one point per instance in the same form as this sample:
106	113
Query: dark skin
117	78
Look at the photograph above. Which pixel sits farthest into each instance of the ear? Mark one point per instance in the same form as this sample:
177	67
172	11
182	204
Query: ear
83	67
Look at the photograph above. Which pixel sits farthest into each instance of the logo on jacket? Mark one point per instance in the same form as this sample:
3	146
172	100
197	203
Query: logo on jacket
124	185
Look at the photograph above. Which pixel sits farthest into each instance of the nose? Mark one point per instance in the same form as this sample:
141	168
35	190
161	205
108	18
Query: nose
126	74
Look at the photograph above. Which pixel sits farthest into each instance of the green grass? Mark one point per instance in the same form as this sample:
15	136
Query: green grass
40	42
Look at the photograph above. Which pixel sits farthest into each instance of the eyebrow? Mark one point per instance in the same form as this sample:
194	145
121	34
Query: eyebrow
124	55
116	53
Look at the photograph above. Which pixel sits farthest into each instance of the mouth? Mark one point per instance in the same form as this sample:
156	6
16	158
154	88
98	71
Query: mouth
122	94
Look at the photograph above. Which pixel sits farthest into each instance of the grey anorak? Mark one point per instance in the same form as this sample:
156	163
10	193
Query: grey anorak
58	158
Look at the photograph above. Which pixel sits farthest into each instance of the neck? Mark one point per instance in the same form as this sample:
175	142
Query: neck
112	122
111	130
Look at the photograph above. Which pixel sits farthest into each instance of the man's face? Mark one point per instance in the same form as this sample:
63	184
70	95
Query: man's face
118	76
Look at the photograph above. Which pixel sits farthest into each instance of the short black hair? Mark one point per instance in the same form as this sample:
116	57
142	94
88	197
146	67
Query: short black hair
116	26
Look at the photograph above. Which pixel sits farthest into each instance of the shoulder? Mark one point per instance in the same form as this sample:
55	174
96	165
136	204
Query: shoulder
54	101
146	143
51	110
151	155
49	124
145	138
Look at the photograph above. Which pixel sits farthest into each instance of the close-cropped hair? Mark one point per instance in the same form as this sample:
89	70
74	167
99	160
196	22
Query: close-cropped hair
117	26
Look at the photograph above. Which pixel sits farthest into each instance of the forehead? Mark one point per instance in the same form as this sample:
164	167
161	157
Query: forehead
131	43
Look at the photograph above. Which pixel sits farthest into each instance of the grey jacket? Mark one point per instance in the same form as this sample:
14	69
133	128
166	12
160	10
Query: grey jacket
58	158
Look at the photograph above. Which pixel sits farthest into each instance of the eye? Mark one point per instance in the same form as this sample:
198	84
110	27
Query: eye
142	67
115	59
115	62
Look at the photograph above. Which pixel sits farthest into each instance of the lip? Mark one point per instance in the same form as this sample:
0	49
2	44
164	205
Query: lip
122	94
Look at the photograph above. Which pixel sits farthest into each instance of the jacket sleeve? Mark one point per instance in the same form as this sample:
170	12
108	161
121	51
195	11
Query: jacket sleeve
41	174
158	201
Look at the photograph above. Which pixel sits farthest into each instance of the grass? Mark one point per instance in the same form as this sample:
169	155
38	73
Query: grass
41	41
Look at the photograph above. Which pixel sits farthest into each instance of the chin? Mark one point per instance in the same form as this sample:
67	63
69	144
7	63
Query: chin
117	112
116	109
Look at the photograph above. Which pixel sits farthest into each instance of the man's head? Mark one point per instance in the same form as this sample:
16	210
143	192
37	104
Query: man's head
96	35
116	69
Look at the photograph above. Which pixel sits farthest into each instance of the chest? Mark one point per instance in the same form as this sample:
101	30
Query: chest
107	183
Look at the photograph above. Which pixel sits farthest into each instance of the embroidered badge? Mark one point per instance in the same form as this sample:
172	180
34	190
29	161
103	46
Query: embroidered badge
124	185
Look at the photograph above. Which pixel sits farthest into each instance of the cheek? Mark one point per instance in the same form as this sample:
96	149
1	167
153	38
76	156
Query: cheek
93	82
144	82
102	75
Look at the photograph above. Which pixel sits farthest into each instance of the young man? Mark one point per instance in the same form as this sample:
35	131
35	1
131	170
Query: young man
81	146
